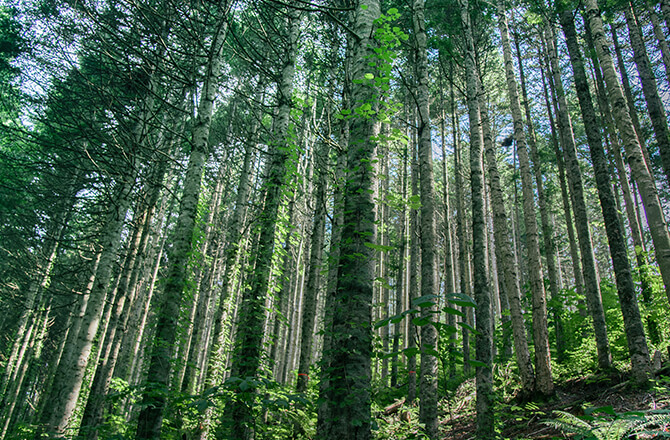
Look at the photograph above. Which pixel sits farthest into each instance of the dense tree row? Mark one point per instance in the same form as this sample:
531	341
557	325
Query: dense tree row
251	219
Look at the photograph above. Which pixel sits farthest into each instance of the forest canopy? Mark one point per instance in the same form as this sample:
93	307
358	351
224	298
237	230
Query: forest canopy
334	219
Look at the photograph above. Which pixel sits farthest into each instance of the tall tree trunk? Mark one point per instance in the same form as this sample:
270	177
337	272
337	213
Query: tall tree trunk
484	339
544	202
544	381
248	342
660	39
414	264
647	186
401	265
565	196
637	343
70	375
631	212
313	274
505	258
628	93
429	268
351	349
654	106
151	417
593	298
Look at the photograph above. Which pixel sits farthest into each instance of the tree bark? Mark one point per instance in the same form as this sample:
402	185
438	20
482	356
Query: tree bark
544	381
637	343
639	245
351	351
654	106
592	291
313	274
248	341
151	417
647	185
484	340
429	268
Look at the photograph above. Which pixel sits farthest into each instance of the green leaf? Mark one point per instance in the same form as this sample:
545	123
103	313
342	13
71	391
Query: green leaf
369	76
420	322
451	311
411	351
600	409
461	299
448	329
467	326
478	364
424	301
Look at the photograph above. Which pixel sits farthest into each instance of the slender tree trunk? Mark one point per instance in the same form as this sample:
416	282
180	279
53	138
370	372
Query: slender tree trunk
70	375
593	298
510	285
565	196
647	186
654	106
351	350
234	246
248	342
544	381
429	268
414	264
151	417
401	265
313	277
547	230
484	339
628	93
660	39
637	343
631	214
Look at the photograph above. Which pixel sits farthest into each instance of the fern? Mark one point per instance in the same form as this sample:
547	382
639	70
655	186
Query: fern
620	427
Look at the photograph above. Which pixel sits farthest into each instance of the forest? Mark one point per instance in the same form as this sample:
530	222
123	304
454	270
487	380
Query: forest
334	219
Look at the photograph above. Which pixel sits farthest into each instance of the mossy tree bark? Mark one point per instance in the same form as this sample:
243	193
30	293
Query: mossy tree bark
349	394
544	381
637	343
429	268
592	286
645	180
482	296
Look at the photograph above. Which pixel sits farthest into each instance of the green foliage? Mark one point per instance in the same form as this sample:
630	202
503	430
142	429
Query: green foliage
393	427
610	425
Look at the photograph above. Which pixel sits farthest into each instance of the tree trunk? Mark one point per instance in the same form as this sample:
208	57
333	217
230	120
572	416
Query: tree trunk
484	339
637	343
654	106
547	230
505	258
70	375
151	416
414	264
644	179
429	268
660	39
593	298
565	196
313	275
351	351
248	341
544	381
631	211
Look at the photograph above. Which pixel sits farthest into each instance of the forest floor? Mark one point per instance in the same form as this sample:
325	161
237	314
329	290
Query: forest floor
613	393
